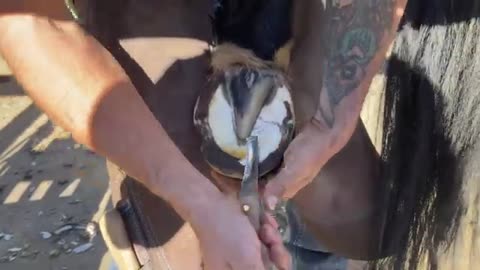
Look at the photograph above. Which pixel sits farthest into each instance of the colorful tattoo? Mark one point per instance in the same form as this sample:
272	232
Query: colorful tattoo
356	28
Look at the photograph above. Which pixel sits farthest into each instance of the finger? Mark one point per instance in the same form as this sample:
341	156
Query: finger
280	257
284	187
270	220
296	166
303	159
267	261
270	236
277	252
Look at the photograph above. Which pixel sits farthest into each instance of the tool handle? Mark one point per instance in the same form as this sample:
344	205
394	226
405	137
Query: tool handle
254	210
249	196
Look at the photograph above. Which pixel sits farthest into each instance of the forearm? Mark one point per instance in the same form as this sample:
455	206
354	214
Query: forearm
359	36
81	87
359	33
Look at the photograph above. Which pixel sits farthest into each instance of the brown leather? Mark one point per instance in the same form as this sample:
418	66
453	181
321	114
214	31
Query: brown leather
51	8
163	240
54	9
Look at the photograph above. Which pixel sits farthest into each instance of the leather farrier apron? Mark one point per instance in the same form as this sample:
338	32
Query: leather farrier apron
160	238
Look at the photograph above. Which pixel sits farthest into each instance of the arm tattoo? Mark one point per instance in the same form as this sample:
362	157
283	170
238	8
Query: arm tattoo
355	30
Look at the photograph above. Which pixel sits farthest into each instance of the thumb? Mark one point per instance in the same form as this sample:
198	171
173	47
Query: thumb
303	160
285	185
276	187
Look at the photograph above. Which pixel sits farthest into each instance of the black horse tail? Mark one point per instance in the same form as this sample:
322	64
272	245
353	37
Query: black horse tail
431	134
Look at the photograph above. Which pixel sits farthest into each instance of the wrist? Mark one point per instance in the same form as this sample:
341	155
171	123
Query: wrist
191	194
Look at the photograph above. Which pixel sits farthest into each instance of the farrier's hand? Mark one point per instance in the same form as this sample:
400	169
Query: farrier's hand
303	160
228	240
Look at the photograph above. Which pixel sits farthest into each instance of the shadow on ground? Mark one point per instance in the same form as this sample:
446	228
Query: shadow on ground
47	181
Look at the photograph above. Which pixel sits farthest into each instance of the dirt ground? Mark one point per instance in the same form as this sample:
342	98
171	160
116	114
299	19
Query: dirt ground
47	183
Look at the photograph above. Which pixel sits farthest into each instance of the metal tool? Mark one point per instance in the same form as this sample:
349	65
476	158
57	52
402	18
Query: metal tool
249	195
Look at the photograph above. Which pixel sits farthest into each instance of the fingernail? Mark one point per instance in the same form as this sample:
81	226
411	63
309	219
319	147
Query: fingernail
272	202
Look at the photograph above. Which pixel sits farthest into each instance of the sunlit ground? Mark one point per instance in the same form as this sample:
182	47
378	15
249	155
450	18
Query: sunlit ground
47	181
